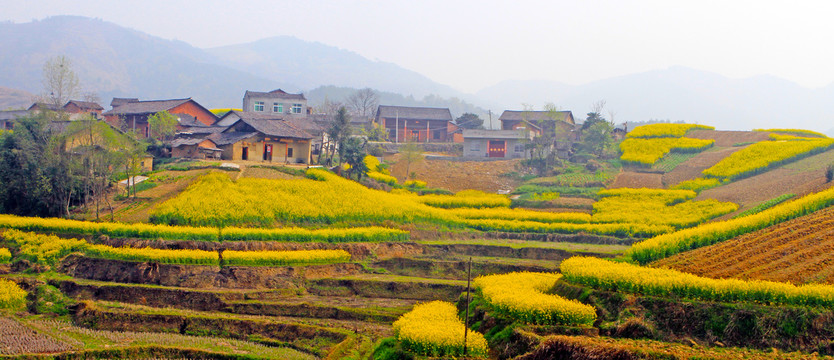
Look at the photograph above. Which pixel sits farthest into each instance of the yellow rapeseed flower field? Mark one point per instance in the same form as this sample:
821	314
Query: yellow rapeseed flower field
624	277
283	258
649	151
665	130
11	295
763	155
434	329
521	296
669	244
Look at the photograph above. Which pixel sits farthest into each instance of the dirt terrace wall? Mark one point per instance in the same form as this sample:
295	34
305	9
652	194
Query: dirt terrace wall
201	276
455	270
358	251
732	324
386	289
422	234
506	251
102	319
144	295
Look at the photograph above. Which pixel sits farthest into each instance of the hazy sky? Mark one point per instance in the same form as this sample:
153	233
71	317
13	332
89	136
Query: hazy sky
473	44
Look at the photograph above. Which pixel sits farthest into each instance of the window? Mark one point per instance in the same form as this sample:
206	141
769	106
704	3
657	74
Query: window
259	106
519	148
276	107
296	108
289	152
475	145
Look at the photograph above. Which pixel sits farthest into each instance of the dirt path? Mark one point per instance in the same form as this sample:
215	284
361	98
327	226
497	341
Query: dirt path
137	210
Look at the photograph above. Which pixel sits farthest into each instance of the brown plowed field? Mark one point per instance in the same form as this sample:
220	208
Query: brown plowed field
632	179
799	177
797	251
728	138
459	175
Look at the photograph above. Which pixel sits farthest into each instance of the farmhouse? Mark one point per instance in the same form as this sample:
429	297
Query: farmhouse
538	122
83	107
132	114
501	144
262	137
275	102
9	117
421	124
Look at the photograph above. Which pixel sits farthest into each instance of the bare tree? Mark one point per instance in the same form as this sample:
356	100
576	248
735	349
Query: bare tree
598	106
363	102
60	84
329	107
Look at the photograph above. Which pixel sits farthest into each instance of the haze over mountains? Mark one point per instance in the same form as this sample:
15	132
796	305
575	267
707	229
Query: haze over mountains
115	61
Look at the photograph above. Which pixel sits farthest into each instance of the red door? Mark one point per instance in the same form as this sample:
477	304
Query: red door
497	148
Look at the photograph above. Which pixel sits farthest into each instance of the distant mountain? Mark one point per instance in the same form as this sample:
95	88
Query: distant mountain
680	93
338	94
115	61
313	64
13	99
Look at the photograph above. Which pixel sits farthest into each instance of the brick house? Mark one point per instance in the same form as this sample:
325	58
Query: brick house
421	124
275	102
537	121
83	107
132	114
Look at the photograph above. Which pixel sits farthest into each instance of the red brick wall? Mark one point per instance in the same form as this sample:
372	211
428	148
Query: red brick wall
191	108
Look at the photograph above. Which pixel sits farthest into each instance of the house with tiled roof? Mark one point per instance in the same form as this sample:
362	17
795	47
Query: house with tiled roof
83	107
132	114
251	136
275	102
421	124
535	121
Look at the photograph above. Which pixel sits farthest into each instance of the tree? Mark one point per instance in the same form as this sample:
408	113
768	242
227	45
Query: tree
60	84
377	132
411	154
353	153
469	121
338	131
598	137
363	102
162	125
35	170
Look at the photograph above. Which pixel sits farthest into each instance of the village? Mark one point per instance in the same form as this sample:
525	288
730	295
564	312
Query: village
402	181
280	127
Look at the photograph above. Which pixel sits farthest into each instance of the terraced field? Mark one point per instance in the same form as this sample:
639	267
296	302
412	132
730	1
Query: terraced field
797	251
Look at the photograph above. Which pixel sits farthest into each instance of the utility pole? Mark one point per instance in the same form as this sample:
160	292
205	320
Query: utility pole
466	320
490	119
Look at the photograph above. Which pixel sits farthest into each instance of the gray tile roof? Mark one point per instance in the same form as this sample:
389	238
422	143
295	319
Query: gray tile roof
202	129
413	113
13	114
493	134
306	124
516	115
229	138
85	105
272	125
186	141
120	101
275	94
146	107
